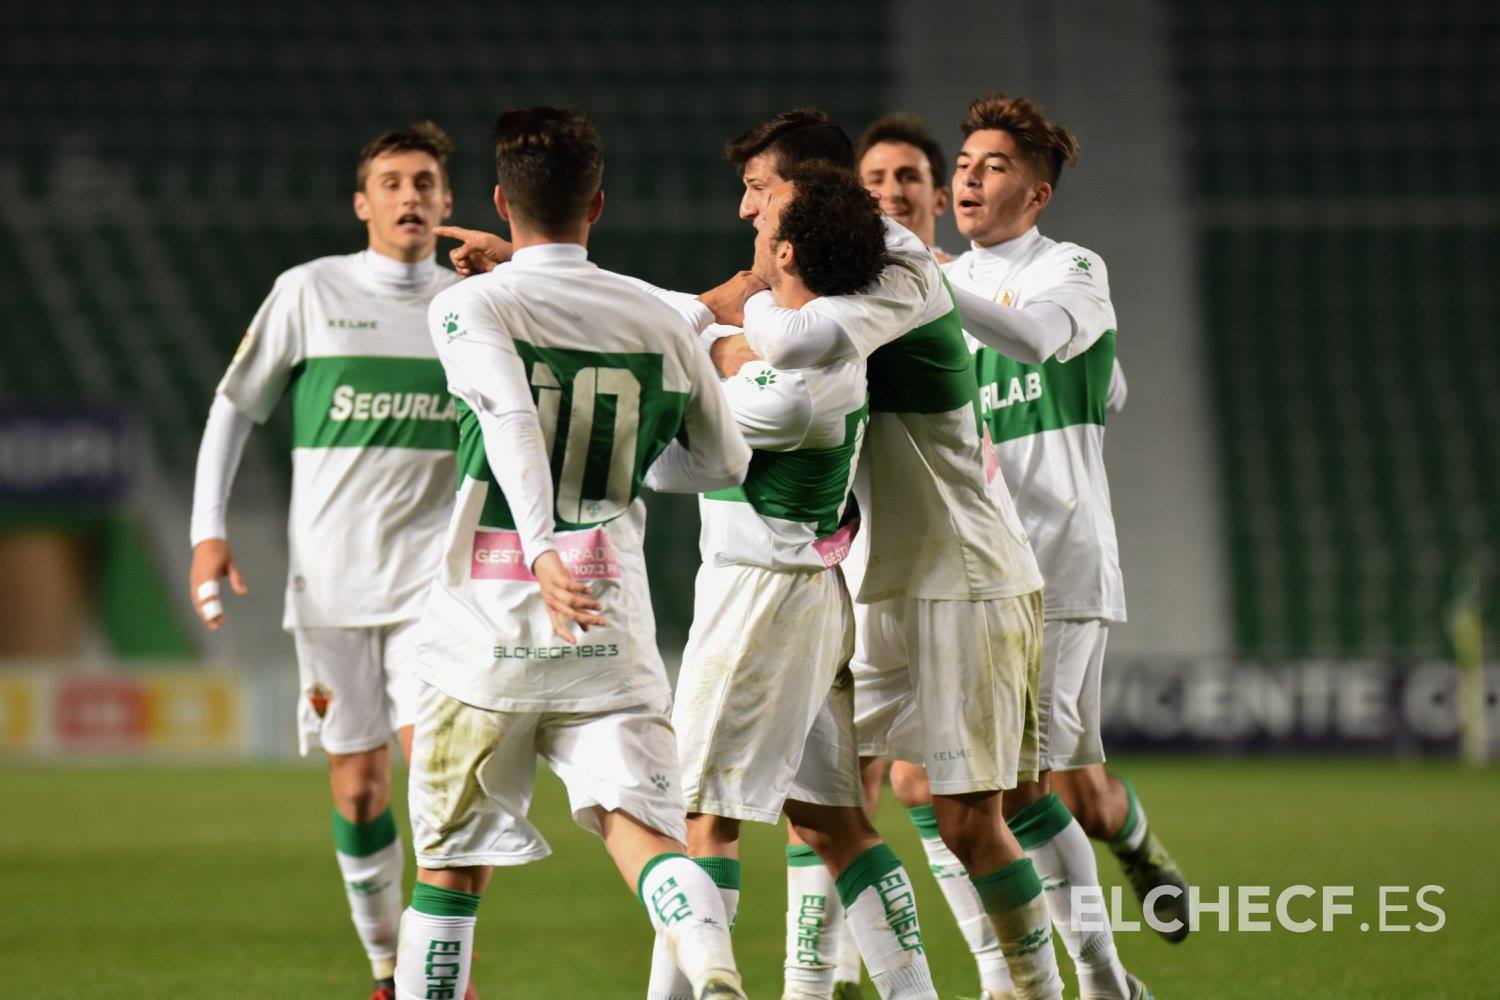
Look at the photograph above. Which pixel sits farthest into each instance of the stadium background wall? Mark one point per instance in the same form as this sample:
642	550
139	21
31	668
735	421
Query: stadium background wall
1309	450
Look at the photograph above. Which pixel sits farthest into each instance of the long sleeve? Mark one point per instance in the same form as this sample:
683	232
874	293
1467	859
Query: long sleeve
1119	389
517	454
792	338
710	453
487	374
224	437
1030	335
677	471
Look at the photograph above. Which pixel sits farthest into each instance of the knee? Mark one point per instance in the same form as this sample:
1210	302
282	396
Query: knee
361	791
909	782
1093	806
707	834
965	834
1016	799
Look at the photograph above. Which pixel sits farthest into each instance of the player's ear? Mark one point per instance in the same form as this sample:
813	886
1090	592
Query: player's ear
501	205
941	199
1041	194
447	204
596	206
361	207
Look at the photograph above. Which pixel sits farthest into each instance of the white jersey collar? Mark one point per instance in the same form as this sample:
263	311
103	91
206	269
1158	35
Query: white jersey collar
1011	251
396	276
543	254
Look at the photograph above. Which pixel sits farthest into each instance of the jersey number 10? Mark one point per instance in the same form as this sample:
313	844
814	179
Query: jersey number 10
580	458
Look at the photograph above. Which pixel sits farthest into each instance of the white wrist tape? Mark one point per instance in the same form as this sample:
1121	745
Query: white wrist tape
211	609
208	589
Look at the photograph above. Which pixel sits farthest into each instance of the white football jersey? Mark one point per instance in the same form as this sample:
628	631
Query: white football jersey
804	427
1047	420
615	376
373	437
934	530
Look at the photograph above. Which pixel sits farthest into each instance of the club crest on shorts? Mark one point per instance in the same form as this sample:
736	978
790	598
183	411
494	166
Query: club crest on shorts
318	698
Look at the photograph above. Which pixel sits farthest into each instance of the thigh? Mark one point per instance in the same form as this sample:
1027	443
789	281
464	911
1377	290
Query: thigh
621	759
882	678
975	667
403	679
1072	669
341	706
470	784
760	661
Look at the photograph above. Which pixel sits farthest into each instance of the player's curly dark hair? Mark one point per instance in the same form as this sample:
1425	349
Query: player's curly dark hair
1046	145
798	136
550	164
423	137
834	227
912	130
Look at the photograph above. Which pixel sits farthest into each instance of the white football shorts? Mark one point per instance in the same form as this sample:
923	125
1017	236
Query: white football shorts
1068	730
885	711
976	667
357	686
473	771
759	668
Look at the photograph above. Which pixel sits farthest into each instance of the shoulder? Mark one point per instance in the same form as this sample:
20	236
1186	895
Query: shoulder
471	292
648	309
1066	257
773	391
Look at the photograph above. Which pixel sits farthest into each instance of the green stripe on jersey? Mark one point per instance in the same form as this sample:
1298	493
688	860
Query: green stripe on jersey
926	370
369	402
1017	400
806	485
605	417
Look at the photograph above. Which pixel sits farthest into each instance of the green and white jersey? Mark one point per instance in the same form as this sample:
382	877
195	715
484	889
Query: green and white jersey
1047	420
804	429
613	376
373	436
934	530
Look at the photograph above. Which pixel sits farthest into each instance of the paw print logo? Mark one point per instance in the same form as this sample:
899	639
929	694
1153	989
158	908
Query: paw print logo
660	781
707	922
1082	264
764	379
450	327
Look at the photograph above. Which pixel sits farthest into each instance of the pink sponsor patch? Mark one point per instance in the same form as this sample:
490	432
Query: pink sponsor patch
588	555
991	457
835	547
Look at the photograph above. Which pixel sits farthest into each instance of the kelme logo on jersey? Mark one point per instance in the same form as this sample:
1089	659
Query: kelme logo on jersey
353	324
351	404
1019	389
450	327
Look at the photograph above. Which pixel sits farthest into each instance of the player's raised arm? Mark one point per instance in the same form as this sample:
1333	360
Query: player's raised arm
477	252
1030	335
710	453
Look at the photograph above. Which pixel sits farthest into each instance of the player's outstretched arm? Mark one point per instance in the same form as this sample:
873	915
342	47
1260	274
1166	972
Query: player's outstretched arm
1030	335
477	250
219	454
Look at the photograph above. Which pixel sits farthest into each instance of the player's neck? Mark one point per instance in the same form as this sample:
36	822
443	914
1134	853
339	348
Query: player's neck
1000	241
397	274
790	293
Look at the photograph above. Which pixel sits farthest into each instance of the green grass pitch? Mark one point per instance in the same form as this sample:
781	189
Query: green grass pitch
135	881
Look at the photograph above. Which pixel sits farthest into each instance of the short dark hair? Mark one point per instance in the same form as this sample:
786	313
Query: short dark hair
422	137
549	162
802	135
912	130
835	229
1046	145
